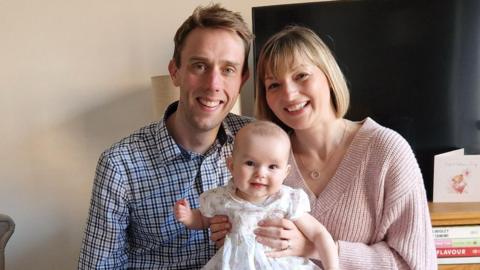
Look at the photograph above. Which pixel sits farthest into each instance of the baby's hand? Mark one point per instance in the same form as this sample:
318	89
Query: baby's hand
182	211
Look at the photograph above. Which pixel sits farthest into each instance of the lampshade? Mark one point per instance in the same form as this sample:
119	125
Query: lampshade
164	93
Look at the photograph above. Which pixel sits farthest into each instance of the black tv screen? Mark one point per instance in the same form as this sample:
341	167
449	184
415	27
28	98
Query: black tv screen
412	66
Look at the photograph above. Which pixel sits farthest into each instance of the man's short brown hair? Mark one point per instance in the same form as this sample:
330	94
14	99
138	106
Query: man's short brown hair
213	16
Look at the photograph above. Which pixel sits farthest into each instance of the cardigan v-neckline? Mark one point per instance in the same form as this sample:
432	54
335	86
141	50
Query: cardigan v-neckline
345	174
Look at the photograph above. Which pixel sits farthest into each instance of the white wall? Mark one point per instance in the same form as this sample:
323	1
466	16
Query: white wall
74	78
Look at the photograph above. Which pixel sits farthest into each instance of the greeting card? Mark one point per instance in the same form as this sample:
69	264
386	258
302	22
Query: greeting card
456	177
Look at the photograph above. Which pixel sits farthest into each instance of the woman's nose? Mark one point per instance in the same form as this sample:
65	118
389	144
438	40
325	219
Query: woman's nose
290	89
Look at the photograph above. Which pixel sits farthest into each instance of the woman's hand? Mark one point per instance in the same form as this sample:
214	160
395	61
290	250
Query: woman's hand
283	236
219	227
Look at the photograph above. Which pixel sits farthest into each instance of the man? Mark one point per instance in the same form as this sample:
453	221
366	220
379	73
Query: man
131	223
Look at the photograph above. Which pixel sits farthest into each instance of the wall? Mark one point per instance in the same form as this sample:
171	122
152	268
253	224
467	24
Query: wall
74	78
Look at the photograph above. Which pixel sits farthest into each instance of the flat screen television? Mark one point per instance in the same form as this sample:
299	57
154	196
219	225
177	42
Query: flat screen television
412	66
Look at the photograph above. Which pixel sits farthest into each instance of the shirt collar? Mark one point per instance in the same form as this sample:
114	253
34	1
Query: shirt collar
169	149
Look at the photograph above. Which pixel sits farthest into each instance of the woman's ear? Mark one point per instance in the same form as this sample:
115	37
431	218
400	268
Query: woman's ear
230	164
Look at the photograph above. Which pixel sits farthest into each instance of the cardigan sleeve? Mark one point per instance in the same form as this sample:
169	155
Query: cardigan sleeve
403	238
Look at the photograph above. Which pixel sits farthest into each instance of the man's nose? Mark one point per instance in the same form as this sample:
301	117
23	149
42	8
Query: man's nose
215	80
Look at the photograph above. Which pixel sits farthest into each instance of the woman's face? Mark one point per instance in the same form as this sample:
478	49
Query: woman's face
300	96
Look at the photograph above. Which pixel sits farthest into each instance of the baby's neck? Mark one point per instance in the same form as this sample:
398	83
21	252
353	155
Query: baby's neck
249	199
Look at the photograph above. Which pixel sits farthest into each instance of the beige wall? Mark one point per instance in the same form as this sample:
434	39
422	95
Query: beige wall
74	78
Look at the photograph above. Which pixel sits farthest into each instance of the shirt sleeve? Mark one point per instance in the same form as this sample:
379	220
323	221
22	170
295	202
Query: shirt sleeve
300	203
105	243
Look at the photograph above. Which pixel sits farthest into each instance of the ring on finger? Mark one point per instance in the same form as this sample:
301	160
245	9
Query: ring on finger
288	245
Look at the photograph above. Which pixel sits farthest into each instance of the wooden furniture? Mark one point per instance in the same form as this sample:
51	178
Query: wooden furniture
445	214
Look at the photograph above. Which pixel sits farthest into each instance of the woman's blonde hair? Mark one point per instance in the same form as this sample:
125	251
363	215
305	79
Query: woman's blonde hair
285	48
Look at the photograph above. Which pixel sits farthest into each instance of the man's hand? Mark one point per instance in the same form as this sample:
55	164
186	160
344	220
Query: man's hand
219	228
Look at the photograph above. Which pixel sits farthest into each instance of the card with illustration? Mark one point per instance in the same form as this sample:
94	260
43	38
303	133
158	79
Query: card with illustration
456	177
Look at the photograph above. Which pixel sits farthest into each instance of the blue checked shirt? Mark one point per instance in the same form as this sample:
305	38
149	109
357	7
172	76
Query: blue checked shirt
131	223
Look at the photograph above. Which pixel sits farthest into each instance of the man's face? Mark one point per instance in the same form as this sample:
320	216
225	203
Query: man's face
209	77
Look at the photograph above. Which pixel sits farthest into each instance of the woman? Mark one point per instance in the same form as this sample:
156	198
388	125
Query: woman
363	181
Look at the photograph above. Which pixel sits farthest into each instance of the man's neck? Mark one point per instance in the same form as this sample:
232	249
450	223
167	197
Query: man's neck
190	138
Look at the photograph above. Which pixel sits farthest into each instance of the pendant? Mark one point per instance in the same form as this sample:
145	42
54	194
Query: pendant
314	174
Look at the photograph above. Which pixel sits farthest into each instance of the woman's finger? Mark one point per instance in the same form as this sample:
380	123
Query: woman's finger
276	244
279	253
277	222
275	228
283	237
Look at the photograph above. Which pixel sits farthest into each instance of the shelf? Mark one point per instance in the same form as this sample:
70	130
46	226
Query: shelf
445	214
458	267
454	213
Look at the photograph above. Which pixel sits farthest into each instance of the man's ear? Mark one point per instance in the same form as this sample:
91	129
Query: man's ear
245	77
230	164
173	69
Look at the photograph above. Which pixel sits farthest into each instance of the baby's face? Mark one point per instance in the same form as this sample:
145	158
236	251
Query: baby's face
259	166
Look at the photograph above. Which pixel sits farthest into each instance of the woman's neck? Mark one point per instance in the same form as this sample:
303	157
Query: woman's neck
320	141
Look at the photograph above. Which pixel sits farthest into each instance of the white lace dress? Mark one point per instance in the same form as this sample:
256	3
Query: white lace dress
240	250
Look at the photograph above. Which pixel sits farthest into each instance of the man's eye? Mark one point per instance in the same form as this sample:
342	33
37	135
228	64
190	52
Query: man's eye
229	70
199	66
249	163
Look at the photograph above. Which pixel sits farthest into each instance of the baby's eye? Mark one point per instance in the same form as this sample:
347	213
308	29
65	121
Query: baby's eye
273	166
249	163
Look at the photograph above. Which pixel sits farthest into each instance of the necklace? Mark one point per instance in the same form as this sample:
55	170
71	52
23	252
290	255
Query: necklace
315	172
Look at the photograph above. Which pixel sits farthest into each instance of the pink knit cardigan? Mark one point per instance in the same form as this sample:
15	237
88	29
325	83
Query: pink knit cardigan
375	205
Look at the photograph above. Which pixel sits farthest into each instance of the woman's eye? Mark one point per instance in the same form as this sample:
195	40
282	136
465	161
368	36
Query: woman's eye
302	76
272	86
249	163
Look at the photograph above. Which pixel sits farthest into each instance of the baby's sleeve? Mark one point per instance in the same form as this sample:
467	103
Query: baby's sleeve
300	204
206	204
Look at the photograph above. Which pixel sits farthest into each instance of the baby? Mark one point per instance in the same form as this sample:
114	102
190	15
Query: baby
258	165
